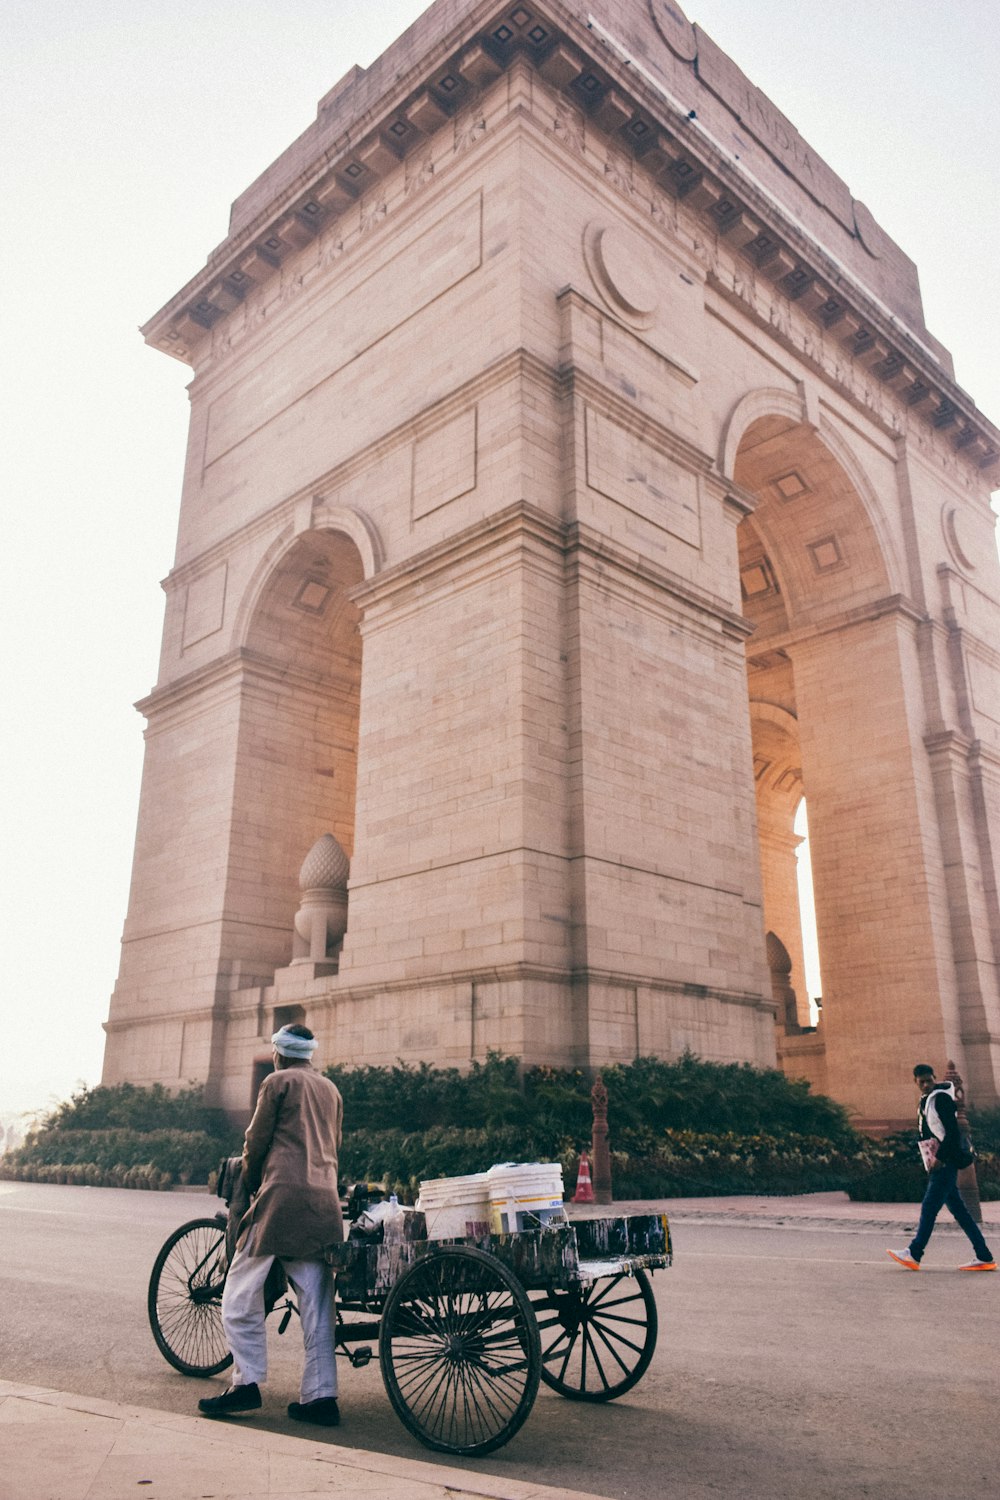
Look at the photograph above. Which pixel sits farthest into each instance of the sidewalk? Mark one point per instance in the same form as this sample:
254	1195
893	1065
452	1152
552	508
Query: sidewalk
54	1446
804	1211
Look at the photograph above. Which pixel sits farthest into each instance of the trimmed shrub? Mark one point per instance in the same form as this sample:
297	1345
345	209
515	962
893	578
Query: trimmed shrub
126	1136
414	1098
645	1098
892	1172
168	1152
985	1127
130	1106
677	1164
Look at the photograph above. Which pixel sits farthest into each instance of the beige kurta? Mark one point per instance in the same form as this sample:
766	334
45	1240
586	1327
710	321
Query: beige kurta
290	1162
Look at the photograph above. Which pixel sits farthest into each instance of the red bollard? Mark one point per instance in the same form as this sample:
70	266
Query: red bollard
602	1156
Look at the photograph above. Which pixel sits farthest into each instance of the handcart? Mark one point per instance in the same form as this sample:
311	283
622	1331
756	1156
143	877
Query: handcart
465	1329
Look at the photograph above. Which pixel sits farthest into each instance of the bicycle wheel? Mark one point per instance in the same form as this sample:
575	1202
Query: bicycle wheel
459	1351
597	1340
184	1301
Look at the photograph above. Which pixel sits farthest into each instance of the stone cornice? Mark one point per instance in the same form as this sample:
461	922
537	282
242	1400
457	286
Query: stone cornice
337	989
496	544
470	49
891	605
947	743
983	756
496	539
613	567
227	673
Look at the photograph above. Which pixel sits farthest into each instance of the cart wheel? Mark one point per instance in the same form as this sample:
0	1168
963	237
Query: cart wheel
459	1351
185	1299
597	1340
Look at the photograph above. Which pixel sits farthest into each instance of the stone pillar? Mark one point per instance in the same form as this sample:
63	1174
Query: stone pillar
876	850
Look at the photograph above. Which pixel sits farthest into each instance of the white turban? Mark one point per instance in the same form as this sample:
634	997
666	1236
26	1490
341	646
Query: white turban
290	1045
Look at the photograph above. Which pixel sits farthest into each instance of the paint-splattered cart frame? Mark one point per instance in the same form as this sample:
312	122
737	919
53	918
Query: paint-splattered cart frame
466	1329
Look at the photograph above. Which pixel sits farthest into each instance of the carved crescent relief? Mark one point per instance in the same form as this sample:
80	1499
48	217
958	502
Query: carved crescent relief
955	529
675	28
622	267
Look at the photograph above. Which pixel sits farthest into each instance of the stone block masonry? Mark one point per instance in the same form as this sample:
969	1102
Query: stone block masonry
567	497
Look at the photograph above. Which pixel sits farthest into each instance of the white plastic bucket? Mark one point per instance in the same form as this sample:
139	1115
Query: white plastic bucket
456	1207
525	1197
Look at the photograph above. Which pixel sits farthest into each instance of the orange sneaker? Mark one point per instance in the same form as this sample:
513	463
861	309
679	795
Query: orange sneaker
979	1265
904	1259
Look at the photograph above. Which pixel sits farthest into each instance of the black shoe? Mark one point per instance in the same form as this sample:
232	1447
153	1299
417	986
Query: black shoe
238	1401
322	1413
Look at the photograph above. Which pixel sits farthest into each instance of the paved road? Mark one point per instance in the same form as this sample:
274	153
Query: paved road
792	1361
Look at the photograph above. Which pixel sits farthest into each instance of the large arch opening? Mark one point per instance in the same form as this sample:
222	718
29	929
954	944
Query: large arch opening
813	571
297	761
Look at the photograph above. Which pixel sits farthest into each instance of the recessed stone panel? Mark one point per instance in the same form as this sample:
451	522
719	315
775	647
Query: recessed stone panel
204	606
629	470
444	464
426	267
826	554
984	685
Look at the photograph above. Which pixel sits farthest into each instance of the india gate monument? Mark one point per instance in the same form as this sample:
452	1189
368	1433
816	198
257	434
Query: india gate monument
572	488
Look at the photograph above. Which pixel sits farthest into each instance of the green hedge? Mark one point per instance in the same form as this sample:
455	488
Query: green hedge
678	1164
89	1174
131	1106
125	1136
892	1172
680	1128
173	1151
645	1098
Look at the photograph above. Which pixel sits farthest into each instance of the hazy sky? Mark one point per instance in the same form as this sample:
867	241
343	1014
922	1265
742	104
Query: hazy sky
127	129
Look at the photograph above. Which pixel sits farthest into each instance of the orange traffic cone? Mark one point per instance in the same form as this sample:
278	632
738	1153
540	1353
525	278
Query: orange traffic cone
584	1187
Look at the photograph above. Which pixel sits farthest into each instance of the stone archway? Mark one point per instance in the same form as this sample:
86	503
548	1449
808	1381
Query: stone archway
836	714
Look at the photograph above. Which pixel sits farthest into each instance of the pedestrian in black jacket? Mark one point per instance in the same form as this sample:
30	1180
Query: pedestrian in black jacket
943	1152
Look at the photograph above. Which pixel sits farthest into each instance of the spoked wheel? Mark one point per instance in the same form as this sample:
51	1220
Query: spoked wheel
597	1340
185	1299
459	1350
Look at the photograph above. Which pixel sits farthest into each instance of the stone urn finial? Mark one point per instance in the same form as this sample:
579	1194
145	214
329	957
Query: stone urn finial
326	866
321	920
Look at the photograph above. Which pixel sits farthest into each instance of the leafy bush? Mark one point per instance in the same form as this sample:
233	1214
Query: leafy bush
131	1136
420	1097
677	1164
175	1152
891	1172
650	1095
985	1127
645	1098
680	1128
134	1107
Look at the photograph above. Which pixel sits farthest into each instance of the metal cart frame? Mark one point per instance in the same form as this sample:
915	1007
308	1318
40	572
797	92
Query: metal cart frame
465	1329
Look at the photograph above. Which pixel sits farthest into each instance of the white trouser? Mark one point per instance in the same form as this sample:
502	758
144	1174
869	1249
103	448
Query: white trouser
243	1320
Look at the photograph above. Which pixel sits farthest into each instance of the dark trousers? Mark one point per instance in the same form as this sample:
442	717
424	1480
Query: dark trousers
942	1189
